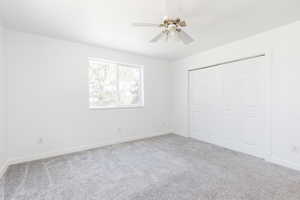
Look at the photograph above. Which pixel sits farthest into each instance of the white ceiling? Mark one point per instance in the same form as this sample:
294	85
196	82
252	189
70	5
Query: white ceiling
107	23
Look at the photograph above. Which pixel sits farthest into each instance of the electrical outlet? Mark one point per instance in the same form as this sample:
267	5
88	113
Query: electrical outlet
295	149
40	141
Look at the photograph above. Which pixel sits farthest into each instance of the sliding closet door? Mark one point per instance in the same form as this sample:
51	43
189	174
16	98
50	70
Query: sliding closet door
205	104
228	106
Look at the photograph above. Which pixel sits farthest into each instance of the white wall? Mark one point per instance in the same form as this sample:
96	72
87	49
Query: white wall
3	104
48	94
282	46
48	98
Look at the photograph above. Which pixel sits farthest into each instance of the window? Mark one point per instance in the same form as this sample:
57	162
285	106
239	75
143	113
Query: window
115	85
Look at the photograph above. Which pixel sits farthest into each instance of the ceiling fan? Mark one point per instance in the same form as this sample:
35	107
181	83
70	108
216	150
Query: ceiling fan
170	29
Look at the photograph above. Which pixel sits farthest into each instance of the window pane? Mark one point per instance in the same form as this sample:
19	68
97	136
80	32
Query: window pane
103	84
129	85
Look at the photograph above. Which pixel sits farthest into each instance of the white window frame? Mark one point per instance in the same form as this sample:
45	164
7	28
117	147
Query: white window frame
141	89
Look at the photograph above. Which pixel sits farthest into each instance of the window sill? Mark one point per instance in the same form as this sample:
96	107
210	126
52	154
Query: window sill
117	107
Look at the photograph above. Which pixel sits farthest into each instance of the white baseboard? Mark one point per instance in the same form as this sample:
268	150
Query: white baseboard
284	163
183	135
272	159
79	148
4	168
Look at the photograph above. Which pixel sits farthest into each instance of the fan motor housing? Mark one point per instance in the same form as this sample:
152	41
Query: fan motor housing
177	22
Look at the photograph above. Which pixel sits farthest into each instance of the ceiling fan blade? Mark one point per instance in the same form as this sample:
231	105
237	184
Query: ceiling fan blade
145	25
157	38
186	39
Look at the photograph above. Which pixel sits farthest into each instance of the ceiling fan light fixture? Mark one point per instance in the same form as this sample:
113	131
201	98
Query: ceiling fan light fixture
170	30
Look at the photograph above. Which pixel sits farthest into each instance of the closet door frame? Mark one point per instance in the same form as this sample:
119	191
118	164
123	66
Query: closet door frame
267	55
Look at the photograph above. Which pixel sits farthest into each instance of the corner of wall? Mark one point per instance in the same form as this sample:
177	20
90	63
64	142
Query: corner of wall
3	105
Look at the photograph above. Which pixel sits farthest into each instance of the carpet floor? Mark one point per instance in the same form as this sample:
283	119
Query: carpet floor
162	168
